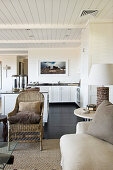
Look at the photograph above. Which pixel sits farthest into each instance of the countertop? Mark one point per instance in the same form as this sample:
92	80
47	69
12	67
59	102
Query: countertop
42	84
11	92
54	84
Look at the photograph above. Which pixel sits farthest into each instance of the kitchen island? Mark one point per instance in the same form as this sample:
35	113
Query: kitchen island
8	100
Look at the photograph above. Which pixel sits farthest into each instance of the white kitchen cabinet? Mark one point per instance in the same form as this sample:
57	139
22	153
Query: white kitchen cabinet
60	94
66	94
44	88
8	101
73	92
54	94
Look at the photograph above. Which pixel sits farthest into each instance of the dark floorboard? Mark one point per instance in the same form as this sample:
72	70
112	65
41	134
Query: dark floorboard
61	121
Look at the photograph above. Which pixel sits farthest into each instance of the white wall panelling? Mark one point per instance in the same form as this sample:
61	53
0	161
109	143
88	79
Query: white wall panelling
99	50
84	67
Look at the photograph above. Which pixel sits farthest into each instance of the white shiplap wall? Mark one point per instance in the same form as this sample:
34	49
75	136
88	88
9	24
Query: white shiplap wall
84	67
101	50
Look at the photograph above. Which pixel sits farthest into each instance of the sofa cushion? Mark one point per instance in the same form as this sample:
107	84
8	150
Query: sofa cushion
30	106
102	124
85	152
25	117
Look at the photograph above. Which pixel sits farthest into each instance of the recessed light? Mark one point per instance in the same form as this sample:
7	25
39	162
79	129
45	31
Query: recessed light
27	29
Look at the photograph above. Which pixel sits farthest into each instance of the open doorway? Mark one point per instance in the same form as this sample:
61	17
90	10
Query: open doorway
22	65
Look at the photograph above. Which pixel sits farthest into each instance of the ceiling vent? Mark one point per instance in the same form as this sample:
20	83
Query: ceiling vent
89	12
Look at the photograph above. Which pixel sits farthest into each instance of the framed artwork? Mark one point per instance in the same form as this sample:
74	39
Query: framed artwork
53	67
0	74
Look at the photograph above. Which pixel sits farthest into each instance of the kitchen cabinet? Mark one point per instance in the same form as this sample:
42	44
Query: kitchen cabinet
66	94
8	101
54	94
73	92
60	94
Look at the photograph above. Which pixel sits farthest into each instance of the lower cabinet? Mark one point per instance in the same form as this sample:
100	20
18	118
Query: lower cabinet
66	94
62	94
54	94
8	103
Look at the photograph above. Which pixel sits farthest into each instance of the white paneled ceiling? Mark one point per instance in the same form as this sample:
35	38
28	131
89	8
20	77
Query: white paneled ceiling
28	24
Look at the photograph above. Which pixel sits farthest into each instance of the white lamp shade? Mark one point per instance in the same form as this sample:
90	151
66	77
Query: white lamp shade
101	74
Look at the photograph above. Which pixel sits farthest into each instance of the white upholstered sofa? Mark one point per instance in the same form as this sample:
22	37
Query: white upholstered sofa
81	151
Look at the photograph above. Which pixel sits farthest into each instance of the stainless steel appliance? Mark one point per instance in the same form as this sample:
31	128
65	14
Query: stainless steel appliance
23	82
78	96
15	83
19	82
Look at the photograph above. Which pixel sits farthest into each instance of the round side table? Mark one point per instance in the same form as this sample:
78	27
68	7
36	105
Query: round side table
3	119
81	112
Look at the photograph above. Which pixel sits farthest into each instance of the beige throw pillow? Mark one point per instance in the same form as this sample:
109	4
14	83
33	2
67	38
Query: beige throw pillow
102	124
30	106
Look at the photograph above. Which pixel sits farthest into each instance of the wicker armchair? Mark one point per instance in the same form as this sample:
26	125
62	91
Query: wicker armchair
27	132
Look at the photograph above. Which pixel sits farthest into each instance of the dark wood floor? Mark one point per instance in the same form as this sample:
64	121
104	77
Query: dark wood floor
61	121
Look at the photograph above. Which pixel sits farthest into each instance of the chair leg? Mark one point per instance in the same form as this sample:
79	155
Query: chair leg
8	138
41	134
41	148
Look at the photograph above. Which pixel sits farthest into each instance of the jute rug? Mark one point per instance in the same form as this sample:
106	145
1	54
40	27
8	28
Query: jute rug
29	157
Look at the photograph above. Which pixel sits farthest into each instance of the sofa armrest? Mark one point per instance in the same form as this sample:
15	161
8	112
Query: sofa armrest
82	127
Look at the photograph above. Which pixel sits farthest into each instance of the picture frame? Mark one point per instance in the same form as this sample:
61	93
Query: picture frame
53	67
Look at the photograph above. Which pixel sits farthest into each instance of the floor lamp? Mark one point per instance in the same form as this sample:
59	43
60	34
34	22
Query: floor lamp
100	75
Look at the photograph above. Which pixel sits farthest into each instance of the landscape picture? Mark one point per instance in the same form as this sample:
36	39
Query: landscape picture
53	67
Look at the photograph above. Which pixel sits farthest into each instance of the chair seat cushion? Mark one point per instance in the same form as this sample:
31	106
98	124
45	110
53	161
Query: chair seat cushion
25	117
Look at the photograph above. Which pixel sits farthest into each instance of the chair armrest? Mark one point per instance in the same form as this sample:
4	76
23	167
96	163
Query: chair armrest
12	113
82	127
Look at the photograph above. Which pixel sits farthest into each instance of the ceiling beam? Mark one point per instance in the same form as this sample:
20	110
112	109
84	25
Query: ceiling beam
7	50
37	41
14	49
41	26
11	54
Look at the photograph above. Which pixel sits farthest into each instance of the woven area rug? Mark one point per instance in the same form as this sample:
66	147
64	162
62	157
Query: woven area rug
29	157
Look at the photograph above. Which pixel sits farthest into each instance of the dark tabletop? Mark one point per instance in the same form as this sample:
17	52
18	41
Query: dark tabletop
2	117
